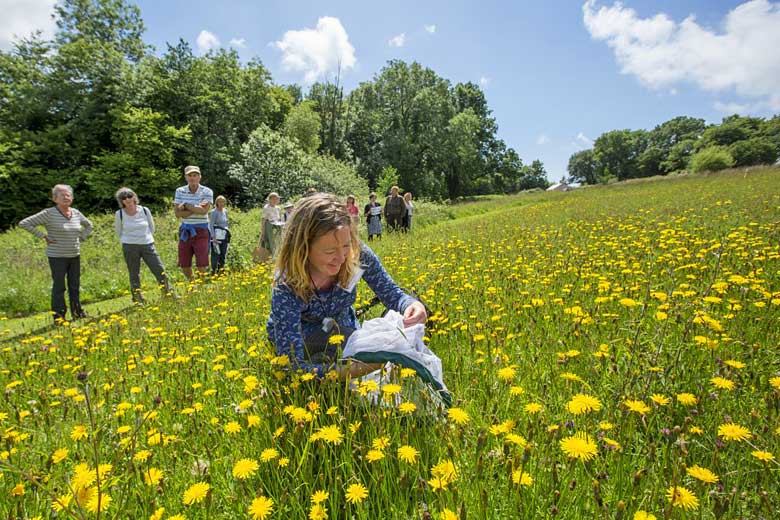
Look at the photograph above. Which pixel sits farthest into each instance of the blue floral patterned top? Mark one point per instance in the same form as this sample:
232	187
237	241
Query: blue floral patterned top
292	319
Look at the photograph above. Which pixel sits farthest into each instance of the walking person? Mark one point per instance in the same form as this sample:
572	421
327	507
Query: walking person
191	204
66	228
353	209
134	225
407	223
220	234
395	209
373	214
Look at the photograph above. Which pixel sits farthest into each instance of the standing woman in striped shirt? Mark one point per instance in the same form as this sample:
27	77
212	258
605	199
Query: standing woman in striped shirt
65	228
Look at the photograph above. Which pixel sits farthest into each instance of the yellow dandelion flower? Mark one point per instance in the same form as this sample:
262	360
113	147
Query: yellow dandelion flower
532	408
695	430
333	410
702	474
336	339
569	376
445	470
722	383
331	434
245	468
78	432
458	416
516	390
679	496
252	421
583	403
735	364
319	496
606	426
318	512
516	439
142	455
61	502
261	507
734	432
98	502
18	490
283	462
232	427
374	455
579	446
408	454
152	476
268	454
356	493
380	443
507	373
687	399
643	515
522	478
763	456
446	514
59	455
660	399
637	406
158	514
775	382
407	407
354	427
196	493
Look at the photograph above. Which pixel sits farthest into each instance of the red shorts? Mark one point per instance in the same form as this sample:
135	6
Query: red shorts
198	246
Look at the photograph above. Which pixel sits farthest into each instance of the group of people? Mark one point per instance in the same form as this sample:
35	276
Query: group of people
64	228
397	211
319	260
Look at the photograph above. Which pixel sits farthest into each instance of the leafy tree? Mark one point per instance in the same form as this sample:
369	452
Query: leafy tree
331	175
757	150
679	156
711	159
387	180
270	161
617	152
303	125
535	176
582	167
464	163
145	160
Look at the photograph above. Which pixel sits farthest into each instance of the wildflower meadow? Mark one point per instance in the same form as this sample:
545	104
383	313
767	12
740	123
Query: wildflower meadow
611	353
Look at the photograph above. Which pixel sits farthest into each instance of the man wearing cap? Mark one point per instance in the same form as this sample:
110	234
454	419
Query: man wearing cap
191	204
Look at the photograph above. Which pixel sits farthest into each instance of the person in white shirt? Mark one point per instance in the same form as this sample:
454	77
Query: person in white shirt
271	214
134	225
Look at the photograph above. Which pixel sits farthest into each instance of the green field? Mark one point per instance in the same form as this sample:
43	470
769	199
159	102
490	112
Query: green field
612	353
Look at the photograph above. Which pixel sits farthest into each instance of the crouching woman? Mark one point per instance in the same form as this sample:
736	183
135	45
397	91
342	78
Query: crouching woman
319	265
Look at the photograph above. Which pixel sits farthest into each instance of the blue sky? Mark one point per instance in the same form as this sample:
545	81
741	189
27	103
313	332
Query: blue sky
556	73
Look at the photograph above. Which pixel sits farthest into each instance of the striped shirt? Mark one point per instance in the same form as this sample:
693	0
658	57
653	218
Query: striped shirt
65	233
184	195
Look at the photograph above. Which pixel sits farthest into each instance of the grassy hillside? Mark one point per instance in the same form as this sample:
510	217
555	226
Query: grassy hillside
611	352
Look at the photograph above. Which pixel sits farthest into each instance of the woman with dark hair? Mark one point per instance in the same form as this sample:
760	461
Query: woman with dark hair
373	214
134	225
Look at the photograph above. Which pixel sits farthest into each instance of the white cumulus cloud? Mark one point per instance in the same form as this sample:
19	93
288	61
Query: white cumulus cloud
397	41
319	51
484	81
542	139
206	41
430	28
661	52
582	142
238	43
21	18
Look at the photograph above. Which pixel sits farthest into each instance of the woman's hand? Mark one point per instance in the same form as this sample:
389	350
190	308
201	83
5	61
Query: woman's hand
414	314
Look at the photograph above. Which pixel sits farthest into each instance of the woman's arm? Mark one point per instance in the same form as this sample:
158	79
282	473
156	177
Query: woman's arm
150	220
286	311
381	283
39	219
118	223
87	225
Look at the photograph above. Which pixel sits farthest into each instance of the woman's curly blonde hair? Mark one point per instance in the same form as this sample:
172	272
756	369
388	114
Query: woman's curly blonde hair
313	217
